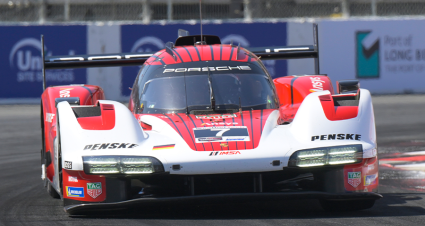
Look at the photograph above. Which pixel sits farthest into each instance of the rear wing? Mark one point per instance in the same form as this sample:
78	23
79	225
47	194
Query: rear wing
135	59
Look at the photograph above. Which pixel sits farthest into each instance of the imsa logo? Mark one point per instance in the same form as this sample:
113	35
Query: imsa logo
215	153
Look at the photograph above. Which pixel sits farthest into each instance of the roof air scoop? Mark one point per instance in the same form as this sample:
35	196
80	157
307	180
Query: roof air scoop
194	39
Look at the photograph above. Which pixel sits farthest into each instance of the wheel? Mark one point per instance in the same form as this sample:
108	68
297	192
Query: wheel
43	147
52	192
346	205
58	137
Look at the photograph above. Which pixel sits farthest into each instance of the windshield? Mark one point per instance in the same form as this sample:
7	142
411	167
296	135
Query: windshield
192	93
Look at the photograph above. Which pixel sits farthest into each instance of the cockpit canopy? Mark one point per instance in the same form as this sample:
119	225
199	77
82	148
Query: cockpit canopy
203	88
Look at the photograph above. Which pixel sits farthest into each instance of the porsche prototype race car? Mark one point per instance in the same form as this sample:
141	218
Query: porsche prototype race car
206	122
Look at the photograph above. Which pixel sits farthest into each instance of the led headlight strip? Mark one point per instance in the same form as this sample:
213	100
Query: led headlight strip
121	165
347	154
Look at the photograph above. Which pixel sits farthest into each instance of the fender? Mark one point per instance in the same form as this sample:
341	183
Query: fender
74	139
311	122
88	95
292	90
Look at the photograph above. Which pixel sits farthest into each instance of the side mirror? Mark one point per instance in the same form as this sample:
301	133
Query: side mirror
347	86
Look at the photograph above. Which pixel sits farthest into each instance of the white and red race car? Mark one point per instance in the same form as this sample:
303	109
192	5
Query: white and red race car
206	122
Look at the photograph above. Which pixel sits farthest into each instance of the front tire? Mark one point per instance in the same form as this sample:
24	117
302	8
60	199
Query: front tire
51	191
346	205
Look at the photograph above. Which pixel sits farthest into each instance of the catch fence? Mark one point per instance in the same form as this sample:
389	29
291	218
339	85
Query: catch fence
148	11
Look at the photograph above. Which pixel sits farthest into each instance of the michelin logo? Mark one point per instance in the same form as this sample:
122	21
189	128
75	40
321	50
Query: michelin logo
367	55
77	192
25	59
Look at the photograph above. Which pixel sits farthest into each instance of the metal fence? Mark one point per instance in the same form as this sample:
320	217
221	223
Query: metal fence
147	11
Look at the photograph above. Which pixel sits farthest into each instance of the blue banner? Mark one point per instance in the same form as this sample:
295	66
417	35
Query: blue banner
21	61
148	38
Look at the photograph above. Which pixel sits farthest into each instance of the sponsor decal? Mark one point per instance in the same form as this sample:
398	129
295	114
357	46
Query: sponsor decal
216	116
370	167
370	179
72	179
49	117
224	145
317	84
348	136
219	124
367	56
67	165
196	69
109	146
163	147
218	134
65	92
374	152
77	192
210	139
94	189
25	60
216	153
354	178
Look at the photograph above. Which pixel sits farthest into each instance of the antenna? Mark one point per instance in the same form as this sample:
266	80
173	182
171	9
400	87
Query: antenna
316	48
200	15
237	50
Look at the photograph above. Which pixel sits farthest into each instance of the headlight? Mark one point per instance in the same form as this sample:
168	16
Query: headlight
347	154
121	165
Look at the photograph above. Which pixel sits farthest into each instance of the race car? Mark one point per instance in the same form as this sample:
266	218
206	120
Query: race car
206	123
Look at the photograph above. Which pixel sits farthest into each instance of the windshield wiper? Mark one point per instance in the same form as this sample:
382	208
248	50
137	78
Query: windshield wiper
211	90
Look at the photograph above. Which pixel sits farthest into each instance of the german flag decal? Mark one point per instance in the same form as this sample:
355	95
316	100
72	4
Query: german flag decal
163	147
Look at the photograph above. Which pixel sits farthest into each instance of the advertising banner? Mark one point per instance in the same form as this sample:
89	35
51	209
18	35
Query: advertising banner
148	38
21	63
387	56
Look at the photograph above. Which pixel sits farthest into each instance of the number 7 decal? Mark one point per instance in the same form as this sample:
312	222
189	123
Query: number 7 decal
220	134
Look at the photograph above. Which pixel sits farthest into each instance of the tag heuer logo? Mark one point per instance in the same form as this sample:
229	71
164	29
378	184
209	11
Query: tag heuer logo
354	178
94	189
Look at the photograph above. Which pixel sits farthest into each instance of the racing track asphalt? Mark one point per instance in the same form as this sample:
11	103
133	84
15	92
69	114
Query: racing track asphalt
23	200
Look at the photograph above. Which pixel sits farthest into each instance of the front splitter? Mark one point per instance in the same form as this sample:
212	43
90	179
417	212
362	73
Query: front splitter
82	209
